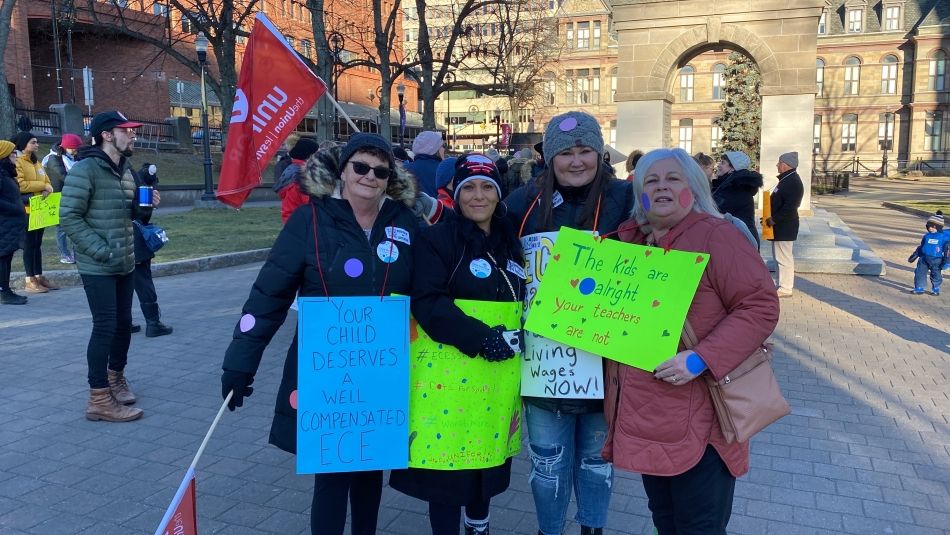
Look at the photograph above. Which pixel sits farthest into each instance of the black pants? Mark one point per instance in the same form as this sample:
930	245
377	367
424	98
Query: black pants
5	263
697	502
145	289
32	255
110	301
328	509
444	519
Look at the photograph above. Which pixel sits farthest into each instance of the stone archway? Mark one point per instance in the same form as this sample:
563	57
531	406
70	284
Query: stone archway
655	36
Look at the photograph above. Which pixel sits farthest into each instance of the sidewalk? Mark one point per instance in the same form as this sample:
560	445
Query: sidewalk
863	363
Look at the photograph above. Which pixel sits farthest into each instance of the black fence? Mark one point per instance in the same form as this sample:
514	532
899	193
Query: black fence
44	122
830	183
163	132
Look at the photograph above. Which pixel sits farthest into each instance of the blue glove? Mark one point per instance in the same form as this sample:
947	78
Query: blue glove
495	348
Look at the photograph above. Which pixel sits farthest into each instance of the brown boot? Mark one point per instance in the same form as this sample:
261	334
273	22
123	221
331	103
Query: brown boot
103	406
45	282
34	286
120	388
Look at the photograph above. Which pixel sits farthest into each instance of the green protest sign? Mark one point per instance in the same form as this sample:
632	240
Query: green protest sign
622	301
44	211
464	412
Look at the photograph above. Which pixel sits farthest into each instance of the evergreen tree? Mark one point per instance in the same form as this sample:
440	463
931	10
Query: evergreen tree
741	119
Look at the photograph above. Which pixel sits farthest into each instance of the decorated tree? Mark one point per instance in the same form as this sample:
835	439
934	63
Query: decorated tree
741	119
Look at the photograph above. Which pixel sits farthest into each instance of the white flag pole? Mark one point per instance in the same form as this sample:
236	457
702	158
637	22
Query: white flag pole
201	449
326	94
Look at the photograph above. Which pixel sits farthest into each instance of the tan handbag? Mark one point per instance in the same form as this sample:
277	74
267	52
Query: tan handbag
748	398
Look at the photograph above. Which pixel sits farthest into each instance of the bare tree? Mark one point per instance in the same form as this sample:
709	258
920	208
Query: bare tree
7	113
323	67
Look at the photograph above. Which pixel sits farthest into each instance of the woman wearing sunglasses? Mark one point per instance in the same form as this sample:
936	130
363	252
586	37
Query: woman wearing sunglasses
352	239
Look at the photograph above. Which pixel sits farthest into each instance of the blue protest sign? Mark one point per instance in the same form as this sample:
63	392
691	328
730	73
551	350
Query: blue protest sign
352	384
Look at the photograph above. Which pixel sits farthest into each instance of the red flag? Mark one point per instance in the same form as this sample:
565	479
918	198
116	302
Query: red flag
275	91
181	518
505	136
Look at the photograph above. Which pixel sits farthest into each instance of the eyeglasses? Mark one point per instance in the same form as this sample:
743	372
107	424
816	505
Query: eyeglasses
382	173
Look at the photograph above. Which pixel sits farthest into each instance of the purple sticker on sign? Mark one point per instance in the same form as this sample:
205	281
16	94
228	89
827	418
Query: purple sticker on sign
568	124
353	267
247	323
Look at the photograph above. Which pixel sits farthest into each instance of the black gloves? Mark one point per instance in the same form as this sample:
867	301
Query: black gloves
495	348
148	174
914	256
240	383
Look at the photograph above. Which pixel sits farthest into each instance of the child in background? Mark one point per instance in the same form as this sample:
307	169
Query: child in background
932	255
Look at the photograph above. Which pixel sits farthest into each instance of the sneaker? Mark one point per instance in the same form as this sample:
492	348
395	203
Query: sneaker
936	291
65	260
917	291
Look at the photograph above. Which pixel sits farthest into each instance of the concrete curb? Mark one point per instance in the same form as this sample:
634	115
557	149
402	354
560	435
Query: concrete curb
66	278
905	209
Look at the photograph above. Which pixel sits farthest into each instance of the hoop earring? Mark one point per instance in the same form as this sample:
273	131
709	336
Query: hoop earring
504	214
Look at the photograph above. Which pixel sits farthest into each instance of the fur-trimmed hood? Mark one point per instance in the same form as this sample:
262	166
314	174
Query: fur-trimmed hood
320	177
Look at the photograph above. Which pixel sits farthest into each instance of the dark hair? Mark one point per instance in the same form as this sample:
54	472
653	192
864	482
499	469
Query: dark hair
585	220
97	139
703	159
632	160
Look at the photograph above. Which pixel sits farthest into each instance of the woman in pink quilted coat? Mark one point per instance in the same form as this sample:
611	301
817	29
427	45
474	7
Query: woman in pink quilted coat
662	424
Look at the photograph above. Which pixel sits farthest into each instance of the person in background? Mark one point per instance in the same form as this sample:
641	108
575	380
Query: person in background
566	436
428	150
735	188
477	236
283	156
57	163
662	423
631	162
286	186
13	222
144	286
785	199
33	181
932	256
443	179
707	164
402	157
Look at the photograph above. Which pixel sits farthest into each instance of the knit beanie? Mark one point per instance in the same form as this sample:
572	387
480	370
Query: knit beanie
6	147
20	139
936	220
366	141
303	149
790	159
572	129
70	141
471	167
737	159
427	142
445	172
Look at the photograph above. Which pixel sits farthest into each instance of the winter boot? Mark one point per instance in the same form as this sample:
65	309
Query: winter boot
33	286
469	530
7	297
591	531
135	328
103	406
45	282
153	322
120	388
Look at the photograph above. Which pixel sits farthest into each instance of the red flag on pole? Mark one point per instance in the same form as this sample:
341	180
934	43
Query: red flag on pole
275	91
181	518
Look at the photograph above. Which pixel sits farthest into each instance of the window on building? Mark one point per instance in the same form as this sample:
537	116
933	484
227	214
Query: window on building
160	9
306	48
613	85
686	135
596	43
816	134
820	76
238	38
933	131
569	86
613	134
719	81
121	3
290	40
849	133
855	20
715	135
892	18
823	23
587	86
550	88
569	34
885	131
686	83
889	75
186	24
937	80
583	35
852	76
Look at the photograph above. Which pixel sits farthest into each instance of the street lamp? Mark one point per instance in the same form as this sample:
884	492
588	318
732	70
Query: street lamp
201	47
337	43
887	126
68	20
497	129
401	93
449	79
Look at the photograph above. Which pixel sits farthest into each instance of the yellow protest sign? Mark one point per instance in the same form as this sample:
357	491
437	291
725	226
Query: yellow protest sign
44	211
622	301
464	412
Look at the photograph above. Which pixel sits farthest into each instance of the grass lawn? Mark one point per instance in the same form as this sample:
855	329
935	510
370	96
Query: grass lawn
927	206
192	234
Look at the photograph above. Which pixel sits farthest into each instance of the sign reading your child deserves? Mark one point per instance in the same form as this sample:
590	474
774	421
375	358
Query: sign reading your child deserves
352	395
623	301
464	412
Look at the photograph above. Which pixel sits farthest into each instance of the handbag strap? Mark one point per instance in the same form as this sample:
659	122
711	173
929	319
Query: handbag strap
688	336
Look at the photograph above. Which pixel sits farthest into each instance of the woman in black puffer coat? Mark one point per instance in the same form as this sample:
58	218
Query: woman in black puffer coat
12	222
475	256
734	189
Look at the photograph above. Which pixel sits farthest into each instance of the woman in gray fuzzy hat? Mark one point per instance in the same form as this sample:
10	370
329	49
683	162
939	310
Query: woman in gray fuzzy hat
576	191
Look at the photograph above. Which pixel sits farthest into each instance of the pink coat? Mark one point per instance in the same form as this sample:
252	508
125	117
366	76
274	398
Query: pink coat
659	429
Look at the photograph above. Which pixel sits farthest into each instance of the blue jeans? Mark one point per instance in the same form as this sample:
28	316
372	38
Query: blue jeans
62	242
565	454
925	264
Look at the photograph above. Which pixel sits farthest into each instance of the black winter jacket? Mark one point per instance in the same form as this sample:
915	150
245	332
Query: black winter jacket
13	218
441	275
786	198
291	267
142	252
735	194
615	208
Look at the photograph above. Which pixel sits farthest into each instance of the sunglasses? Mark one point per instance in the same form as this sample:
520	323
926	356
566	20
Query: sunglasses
360	168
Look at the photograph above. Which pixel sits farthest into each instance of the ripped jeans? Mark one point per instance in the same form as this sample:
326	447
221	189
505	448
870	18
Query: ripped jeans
565	454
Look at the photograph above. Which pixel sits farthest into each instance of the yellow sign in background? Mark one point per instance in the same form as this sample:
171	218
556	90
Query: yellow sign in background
44	211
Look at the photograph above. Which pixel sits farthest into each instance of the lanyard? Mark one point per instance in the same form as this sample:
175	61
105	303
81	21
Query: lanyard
504	275
527	214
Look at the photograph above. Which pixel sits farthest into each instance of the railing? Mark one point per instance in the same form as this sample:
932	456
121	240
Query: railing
45	122
214	136
157	131
822	184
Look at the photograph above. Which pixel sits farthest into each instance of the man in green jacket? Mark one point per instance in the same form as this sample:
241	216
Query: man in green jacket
98	205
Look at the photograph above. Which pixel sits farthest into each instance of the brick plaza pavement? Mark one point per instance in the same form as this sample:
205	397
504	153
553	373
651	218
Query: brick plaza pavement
866	451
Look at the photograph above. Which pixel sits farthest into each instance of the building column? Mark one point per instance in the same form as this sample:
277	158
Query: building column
787	125
643	125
